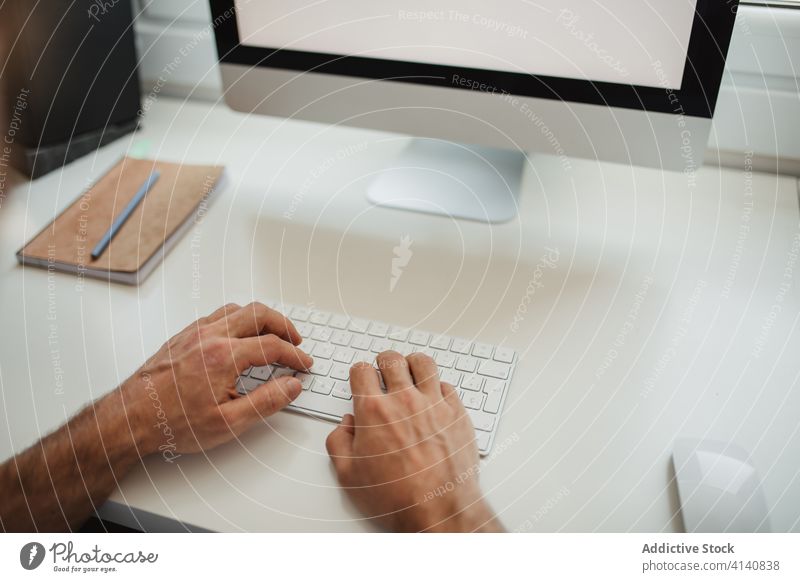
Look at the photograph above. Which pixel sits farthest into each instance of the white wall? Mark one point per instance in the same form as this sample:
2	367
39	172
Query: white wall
758	108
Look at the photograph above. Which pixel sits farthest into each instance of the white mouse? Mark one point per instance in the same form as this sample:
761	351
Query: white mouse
718	487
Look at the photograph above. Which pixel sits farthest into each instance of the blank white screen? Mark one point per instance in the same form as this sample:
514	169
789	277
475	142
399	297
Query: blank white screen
638	42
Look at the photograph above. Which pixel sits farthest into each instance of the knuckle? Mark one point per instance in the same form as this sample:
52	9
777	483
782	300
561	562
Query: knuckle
372	405
214	347
202	333
271	342
330	442
259	309
409	399
230	307
216	351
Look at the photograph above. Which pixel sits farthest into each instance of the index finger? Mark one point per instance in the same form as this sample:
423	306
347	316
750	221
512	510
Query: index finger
269	349
364	384
255	319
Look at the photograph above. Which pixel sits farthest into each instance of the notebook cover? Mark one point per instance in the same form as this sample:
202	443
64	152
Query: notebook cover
68	240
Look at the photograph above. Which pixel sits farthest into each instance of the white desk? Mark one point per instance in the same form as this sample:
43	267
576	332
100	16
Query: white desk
588	430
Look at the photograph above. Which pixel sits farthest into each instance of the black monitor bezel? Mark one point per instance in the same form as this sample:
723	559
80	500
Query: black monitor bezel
708	46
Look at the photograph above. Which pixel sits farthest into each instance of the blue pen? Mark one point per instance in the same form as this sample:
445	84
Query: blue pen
124	215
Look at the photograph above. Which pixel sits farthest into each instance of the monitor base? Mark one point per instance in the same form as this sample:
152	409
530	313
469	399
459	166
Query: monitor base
450	179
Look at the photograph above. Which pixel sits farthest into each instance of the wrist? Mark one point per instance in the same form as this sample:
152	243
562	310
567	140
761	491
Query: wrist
460	509
476	517
139	412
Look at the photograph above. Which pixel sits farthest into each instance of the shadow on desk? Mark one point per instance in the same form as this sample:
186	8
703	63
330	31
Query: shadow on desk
96	525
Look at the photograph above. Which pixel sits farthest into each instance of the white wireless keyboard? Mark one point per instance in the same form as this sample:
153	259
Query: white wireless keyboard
480	372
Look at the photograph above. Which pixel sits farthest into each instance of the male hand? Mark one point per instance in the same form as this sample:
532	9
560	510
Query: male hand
184	398
408	458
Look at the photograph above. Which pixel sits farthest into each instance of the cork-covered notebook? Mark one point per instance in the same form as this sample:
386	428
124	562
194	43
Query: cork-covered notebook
154	227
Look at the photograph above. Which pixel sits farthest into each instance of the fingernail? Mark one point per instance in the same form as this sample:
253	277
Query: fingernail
294	386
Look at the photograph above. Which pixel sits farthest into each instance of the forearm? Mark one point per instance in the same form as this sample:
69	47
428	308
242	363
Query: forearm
57	483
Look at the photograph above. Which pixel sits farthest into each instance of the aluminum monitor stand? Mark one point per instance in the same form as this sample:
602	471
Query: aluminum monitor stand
455	180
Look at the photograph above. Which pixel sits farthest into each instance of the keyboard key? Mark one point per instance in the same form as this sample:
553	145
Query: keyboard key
319	317
362	356
339	322
474	383
473	400
247	371
341	338
300	314
324	351
401	348
381	345
445	359
440	342
305	379
321	367
481	420
494	395
262	373
505	355
419	338
359	325
343	355
460	346
340	372
245	385
378	329
450	376
280	372
482	350
322	386
305	329
321	334
308	346
467	364
398	334
342	390
492	385
428	352
494	369
361	342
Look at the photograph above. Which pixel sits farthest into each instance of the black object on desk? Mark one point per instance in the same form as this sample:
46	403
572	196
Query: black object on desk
72	83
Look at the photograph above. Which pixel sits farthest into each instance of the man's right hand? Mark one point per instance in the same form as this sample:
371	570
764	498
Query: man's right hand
184	398
408	458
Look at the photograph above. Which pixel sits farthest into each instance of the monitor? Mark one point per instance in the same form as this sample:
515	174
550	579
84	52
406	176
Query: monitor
484	87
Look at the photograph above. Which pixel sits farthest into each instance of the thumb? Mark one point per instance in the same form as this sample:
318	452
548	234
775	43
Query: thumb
264	401
340	445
